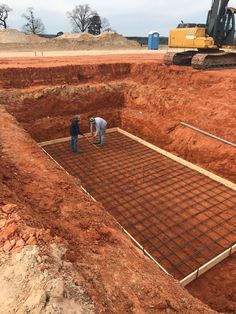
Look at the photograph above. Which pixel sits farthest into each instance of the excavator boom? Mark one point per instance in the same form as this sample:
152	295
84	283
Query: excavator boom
217	11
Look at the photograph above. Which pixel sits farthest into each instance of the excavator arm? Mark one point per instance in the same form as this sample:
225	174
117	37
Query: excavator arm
220	24
215	14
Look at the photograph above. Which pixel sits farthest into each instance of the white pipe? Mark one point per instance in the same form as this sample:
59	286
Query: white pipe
208	134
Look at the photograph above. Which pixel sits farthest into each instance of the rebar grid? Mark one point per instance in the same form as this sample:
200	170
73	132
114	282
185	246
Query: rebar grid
181	217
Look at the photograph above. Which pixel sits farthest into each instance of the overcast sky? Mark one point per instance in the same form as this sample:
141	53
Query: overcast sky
127	17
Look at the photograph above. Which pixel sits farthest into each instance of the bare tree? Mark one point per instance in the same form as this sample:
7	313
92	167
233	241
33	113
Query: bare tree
105	25
34	25
80	17
4	10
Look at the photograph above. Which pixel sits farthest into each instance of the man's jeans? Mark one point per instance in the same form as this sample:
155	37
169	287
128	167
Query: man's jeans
101	136
74	143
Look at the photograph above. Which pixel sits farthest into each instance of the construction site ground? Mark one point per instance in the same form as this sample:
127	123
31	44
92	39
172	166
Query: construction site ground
66	251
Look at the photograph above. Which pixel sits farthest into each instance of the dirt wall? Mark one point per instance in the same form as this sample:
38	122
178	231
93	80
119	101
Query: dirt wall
46	112
149	100
70	74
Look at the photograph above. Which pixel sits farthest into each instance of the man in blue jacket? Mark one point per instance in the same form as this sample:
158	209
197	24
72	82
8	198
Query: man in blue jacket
74	132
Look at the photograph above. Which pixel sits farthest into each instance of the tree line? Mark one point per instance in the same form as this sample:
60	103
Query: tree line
82	19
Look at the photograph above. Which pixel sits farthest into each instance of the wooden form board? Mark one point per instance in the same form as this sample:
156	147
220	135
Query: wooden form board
145	252
66	139
201	270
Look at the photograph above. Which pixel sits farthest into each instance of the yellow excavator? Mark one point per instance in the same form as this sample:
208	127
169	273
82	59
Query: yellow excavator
207	40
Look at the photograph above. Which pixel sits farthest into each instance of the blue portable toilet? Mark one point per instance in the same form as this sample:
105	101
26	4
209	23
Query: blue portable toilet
153	40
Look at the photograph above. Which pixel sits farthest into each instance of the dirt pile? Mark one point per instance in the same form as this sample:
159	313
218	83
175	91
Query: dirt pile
115	39
77	36
106	40
12	39
13	36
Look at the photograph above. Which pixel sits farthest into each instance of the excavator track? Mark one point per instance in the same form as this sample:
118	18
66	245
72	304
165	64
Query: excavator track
214	60
179	58
201	61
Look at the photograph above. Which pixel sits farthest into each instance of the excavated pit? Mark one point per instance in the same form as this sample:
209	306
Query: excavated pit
148	100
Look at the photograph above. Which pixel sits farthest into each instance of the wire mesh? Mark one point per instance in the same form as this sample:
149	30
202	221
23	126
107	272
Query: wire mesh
181	217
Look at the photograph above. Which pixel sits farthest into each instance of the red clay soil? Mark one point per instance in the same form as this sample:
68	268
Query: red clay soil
45	62
115	275
210	283
44	99
145	98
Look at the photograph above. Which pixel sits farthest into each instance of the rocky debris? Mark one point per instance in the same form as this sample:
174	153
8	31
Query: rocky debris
33	276
36	289
15	234
8	208
2	223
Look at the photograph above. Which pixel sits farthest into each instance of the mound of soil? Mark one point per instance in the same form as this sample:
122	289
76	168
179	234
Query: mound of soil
77	36
14	36
106	39
11	39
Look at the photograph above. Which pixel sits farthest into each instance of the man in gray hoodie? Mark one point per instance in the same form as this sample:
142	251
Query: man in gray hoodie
100	125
